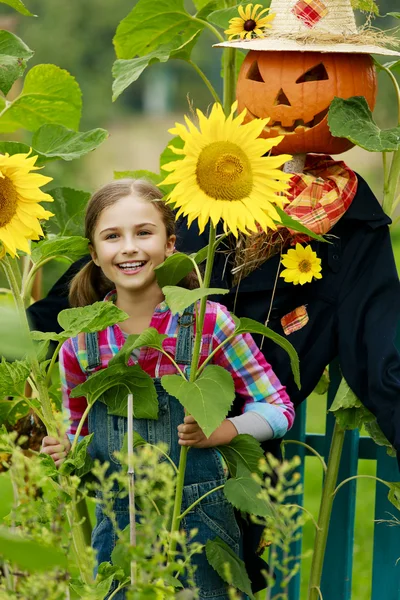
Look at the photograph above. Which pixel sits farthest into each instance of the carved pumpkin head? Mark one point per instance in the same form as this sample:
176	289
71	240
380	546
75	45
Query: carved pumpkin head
295	90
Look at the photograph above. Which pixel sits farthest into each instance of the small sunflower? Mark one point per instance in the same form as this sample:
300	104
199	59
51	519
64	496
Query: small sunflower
20	195
250	23
302	264
224	175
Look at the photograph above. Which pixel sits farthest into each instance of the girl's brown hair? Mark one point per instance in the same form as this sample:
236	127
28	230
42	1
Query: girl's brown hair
90	284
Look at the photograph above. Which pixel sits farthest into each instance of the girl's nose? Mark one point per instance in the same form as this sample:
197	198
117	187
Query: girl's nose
129	246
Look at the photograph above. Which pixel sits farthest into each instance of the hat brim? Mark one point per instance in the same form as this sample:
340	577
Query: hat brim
284	44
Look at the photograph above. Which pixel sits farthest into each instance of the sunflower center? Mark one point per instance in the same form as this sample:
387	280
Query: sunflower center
304	266
224	171
8	201
249	25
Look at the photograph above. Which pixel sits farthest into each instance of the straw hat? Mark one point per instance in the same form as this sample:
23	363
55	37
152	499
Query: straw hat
317	26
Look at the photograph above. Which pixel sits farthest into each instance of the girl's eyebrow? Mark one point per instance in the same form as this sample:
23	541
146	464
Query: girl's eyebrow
136	227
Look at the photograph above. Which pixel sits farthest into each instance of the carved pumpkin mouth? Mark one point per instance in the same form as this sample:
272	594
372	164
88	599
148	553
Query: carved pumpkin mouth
297	125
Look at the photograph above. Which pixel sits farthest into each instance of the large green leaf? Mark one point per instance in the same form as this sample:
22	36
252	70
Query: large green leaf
126	71
208	399
87	319
250	326
18	6
150	25
352	119
294	224
112	386
201	4
49	95
366	6
13	56
242	492
349	412
13	376
14	339
69	209
56	141
376	433
179	298
218	555
173	269
79	461
242	450
28	554
167	155
394	493
72	248
11	411
149	338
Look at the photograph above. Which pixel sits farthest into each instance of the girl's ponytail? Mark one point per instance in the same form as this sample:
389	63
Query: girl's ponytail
88	286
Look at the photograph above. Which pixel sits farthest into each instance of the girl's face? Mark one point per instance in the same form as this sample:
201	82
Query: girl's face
129	241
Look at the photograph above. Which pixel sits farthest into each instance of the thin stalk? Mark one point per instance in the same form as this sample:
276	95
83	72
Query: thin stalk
392	178
229	79
52	363
213	353
79	545
205	79
360	477
115	592
79	428
211	27
310	449
191	507
325	511
193	371
131	484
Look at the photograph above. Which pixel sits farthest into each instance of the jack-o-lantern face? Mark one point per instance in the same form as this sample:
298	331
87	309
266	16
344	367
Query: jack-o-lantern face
295	90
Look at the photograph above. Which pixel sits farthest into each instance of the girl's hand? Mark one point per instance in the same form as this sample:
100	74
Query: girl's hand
191	434
57	450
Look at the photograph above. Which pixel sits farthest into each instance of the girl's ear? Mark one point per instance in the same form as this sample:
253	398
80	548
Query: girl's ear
93	254
170	245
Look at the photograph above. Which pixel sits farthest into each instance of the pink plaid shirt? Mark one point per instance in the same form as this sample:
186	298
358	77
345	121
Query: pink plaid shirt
253	377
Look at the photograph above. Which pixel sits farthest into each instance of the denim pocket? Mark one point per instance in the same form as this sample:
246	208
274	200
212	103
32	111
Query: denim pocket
153	431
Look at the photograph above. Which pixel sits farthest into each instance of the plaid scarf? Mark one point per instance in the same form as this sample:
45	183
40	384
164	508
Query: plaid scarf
319	197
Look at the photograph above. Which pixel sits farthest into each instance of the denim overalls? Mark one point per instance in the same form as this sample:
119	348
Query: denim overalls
214	516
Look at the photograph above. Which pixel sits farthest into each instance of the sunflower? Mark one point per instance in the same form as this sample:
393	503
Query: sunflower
302	264
250	23
19	198
224	175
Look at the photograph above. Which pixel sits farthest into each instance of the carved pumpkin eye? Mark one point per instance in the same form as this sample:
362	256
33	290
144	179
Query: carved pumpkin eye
317	73
254	73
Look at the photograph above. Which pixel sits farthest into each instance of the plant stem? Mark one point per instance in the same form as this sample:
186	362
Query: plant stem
360	477
309	448
52	363
391	192
131	483
193	372
325	511
210	27
79	428
191	507
229	79
208	83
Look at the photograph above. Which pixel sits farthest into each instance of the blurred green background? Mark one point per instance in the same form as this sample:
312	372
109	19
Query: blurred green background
77	36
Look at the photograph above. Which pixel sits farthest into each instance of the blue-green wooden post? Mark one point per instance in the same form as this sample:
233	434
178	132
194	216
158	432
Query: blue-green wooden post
385	572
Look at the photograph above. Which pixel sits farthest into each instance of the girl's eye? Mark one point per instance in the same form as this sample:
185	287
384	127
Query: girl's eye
142	233
111	236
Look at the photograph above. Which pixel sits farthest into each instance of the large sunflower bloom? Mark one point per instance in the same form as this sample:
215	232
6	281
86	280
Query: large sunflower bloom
20	195
224	175
302	264
250	23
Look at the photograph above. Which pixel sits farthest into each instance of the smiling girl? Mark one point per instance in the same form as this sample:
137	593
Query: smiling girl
131	231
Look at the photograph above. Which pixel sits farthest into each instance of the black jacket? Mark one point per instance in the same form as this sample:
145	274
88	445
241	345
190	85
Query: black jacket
353	310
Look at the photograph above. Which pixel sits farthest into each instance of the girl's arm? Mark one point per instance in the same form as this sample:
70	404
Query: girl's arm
253	377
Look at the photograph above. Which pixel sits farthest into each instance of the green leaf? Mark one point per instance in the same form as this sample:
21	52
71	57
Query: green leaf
365	5
141	174
200	4
80	461
376	433
49	95
394	493
396	15
168	156
173	269
242	492
323	384
393	65
70	248
126	72
150	25
208	398
179	298
348	410
295	225
11	411
250	326
13	376
56	141
13	55
18	6
200	256
15	148
88	319
149	338
242	450
352	119
28	554
218	554
112	386
68	208
14	340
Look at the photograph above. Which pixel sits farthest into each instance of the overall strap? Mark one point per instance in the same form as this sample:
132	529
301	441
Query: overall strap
185	339
93	351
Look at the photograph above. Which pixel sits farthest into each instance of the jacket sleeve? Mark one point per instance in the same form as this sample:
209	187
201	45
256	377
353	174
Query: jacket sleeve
72	375
254	380
368	318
